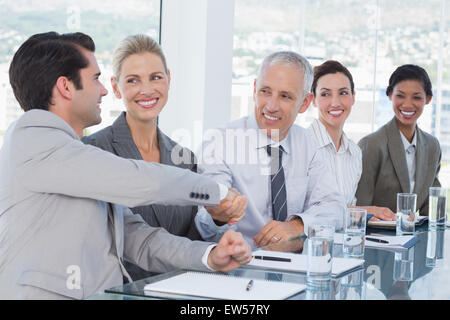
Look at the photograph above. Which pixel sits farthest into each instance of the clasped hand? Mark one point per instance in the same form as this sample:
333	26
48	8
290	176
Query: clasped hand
230	210
231	252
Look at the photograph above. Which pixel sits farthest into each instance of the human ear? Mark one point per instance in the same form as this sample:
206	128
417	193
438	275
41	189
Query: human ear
64	87
306	102
115	86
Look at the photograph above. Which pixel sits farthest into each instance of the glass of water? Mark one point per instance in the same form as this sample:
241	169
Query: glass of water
406	218
319	256
435	248
404	265
354	233
436	208
447	219
352	286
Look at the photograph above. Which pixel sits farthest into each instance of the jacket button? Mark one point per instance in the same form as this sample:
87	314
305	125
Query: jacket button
192	195
207	196
202	196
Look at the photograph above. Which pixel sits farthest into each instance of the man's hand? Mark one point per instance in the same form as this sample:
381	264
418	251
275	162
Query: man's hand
231	252
380	213
230	210
276	231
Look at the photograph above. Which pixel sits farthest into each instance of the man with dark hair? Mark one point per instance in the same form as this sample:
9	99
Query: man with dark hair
52	55
65	228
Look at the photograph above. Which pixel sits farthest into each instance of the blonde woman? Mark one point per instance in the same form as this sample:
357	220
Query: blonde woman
141	80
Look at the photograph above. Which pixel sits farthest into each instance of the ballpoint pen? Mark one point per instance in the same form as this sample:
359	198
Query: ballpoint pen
377	240
272	258
249	285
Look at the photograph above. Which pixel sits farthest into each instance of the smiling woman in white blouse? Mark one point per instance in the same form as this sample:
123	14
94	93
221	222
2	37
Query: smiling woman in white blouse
334	95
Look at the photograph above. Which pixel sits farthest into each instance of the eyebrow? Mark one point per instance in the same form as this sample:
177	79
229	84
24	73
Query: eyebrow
418	92
138	76
288	93
343	88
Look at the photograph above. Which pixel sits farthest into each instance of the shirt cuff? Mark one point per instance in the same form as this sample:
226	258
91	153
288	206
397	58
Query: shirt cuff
206	254
223	191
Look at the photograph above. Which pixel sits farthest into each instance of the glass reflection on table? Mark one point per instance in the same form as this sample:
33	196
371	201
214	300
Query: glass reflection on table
422	272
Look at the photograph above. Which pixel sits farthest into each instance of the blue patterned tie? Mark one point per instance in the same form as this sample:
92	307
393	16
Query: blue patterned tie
278	184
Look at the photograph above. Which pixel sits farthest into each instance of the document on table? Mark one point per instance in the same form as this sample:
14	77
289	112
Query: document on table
383	242
392	224
298	262
222	286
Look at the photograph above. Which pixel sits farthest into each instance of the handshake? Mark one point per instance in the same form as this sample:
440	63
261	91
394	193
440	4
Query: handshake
230	210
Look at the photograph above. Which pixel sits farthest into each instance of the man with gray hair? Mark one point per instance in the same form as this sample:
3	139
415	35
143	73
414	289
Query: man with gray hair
286	186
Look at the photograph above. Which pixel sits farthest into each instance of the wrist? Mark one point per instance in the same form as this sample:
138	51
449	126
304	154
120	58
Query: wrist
209	264
297	223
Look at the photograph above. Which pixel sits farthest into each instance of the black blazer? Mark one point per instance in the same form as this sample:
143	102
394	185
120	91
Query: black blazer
178	220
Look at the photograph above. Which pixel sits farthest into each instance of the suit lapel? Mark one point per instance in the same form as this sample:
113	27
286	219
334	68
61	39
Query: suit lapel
123	143
165	148
421	166
398	156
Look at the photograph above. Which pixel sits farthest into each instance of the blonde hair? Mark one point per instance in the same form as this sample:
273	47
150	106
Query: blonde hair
135	44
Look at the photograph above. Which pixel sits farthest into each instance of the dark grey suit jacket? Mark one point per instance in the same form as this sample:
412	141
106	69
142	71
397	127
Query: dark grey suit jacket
385	172
178	220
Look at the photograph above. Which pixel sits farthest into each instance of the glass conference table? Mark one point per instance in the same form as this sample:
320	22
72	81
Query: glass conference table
376	279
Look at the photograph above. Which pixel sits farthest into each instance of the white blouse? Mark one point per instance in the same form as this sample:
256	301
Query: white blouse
345	163
410	152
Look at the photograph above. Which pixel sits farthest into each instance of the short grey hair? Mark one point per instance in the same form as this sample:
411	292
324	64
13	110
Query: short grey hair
293	59
135	44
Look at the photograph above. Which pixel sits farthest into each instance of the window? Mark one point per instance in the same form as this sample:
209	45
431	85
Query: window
371	38
320	30
106	24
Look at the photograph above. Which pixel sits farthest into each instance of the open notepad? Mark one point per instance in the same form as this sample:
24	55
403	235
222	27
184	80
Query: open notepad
221	286
392	224
299	262
393	242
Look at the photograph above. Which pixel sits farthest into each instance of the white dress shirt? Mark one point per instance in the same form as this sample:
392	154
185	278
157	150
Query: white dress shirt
236	156
346	164
410	152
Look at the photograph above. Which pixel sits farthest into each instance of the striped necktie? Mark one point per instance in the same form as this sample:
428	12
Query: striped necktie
278	184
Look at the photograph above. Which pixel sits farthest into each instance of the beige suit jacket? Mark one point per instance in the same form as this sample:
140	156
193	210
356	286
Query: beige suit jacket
60	237
385	172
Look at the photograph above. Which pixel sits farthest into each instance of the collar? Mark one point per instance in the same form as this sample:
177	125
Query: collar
264	140
121	132
406	143
324	139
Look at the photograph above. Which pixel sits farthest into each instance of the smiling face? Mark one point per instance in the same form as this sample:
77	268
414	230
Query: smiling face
408	99
85	111
143	86
278	96
334	98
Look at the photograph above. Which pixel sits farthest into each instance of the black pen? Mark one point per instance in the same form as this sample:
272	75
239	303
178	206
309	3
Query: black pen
272	258
377	240
249	285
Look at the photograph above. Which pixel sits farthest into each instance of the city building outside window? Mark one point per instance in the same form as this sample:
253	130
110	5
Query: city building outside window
371	38
106	24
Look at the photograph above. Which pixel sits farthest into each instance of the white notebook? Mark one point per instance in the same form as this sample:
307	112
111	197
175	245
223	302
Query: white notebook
299	262
392	224
221	286
394	243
